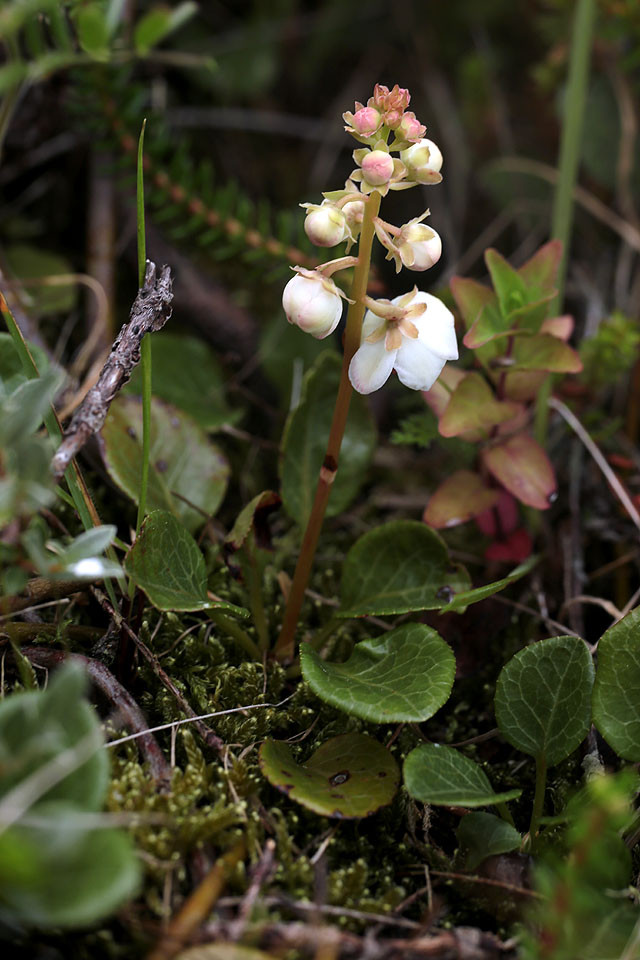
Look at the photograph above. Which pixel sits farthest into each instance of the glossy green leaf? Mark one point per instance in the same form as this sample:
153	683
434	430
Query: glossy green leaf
461	496
508	285
187	374
473	407
305	442
616	692
485	835
166	562
398	567
543	351
466	597
440	775
521	465
56	873
182	460
540	272
347	777
37	726
543	698
404	675
489	326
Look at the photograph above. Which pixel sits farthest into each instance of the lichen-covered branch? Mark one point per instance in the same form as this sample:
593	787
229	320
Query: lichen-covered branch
150	311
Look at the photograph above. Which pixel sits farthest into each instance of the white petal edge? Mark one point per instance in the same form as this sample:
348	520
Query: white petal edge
371	366
417	366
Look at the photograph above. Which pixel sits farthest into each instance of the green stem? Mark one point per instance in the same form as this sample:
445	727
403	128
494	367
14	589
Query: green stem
231	628
285	646
562	217
145	346
538	799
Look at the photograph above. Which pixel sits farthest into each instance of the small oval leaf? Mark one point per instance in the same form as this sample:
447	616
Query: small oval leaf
182	461
440	775
616	692
404	675
543	698
166	562
397	568
485	835
347	777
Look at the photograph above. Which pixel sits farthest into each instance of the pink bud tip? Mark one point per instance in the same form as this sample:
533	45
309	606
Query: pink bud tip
377	167
366	121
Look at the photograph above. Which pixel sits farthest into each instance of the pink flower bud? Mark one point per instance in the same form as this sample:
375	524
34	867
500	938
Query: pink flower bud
325	225
366	121
422	159
377	167
313	304
410	128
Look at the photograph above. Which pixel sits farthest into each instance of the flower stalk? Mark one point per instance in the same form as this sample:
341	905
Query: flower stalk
285	646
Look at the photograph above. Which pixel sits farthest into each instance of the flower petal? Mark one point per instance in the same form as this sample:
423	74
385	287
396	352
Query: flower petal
417	366
436	326
371	366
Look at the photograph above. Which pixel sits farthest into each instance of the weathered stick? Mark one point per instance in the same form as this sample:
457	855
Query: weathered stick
150	311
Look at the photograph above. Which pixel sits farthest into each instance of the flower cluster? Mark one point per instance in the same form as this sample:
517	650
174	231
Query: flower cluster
413	334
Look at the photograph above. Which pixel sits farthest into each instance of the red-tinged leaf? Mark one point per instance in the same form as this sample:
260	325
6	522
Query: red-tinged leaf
438	397
506	509
541	271
524	385
521	465
561	327
462	496
516	548
471	297
545	352
489	326
509	286
473	407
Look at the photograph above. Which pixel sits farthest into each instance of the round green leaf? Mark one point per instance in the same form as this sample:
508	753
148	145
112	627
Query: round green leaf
442	776
543	698
166	562
183	461
616	692
199	387
403	676
397	568
305	442
65	875
347	777
485	835
37	726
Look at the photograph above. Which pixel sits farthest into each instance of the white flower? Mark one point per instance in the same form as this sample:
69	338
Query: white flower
415	245
423	161
313	303
325	224
413	335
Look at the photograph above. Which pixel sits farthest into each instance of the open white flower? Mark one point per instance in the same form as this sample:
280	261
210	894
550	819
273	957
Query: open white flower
414	334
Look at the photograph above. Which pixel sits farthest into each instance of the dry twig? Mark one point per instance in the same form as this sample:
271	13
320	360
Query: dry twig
150	311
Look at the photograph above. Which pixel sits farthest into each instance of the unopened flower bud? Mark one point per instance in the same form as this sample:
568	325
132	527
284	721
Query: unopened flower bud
410	128
420	247
423	161
366	121
325	225
354	213
313	303
377	167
